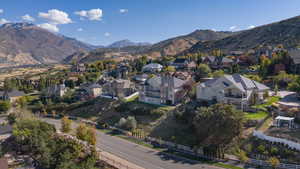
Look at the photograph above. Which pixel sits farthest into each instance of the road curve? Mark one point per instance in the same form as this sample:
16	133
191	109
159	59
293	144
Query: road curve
137	154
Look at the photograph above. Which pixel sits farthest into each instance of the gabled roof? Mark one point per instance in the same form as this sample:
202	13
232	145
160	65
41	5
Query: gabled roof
239	81
153	66
180	60
13	93
226	60
156	82
210	58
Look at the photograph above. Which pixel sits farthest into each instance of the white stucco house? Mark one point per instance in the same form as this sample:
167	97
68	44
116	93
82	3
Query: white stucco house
152	67
232	89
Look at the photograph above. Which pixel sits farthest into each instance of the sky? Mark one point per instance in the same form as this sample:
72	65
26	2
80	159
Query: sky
101	22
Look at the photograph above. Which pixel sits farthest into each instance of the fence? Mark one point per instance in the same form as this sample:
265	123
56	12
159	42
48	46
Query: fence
290	144
123	164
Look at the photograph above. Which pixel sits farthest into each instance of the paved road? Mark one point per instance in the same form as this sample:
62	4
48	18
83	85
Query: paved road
139	155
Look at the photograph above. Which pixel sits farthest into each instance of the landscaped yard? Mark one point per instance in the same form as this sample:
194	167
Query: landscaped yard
262	109
256	116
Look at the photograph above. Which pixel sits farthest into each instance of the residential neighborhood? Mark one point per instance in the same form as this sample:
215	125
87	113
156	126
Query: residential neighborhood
150	84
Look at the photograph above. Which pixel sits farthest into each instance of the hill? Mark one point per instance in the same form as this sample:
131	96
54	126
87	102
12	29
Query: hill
126	43
286	33
174	46
27	44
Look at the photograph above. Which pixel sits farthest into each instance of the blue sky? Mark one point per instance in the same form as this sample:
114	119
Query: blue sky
145	20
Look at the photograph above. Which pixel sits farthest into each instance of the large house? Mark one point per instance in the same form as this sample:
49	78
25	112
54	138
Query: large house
55	91
182	63
11	96
152	68
232	89
119	88
218	62
166	89
92	90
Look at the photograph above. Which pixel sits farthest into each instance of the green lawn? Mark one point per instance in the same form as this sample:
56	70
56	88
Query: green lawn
262	109
256	116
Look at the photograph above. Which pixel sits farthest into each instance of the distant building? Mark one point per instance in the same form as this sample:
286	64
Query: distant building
152	68
218	62
55	91
232	89
182	63
164	89
11	96
78	68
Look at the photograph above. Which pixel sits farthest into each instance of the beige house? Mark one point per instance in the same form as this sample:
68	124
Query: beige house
232	89
119	88
93	90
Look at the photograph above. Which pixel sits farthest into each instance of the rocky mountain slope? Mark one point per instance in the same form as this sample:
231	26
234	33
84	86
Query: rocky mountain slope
126	43
286	33
26	44
179	44
168	47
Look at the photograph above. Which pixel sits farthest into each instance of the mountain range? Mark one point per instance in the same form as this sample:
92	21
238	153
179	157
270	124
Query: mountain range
286	33
27	44
167	47
126	43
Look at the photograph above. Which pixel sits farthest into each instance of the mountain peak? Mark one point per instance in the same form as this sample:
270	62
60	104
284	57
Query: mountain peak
17	25
127	42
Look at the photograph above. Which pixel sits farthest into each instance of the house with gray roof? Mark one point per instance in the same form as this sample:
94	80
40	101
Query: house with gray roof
164	89
152	68
232	89
93	90
12	96
218	62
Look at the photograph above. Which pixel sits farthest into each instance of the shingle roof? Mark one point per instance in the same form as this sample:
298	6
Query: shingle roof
156	82
153	66
13	93
179	60
244	83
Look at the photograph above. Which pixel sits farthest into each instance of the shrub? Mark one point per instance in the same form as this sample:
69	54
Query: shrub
129	124
274	162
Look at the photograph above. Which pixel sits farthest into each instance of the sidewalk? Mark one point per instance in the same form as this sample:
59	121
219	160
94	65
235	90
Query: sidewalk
117	162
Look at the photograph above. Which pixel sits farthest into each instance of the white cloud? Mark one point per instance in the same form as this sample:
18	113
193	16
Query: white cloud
49	27
123	10
55	17
1	11
251	27
233	28
107	34
28	18
79	29
93	14
3	21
